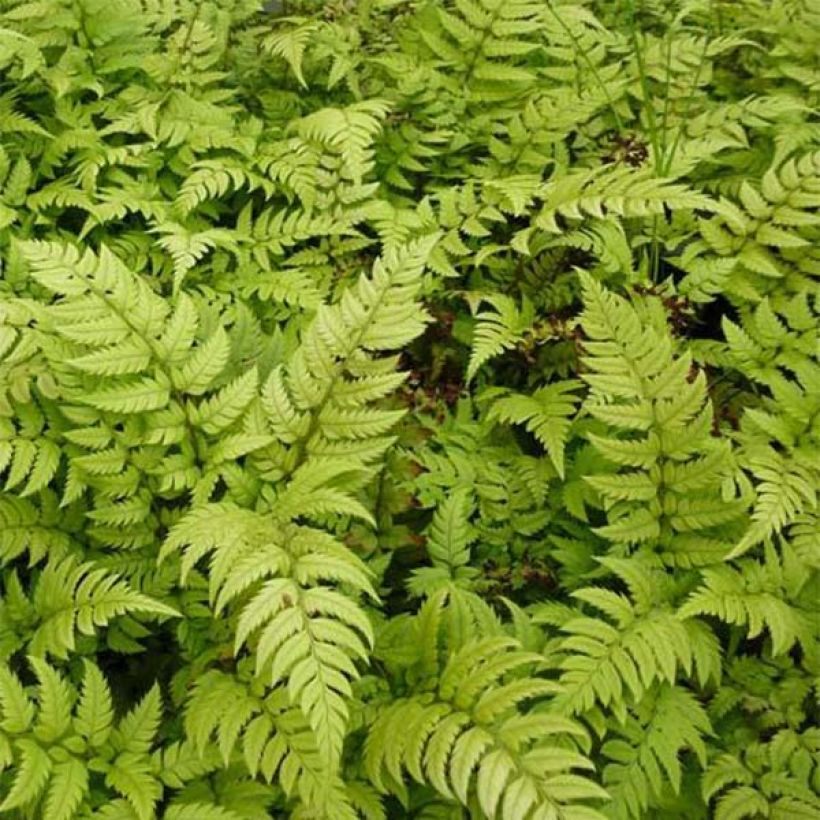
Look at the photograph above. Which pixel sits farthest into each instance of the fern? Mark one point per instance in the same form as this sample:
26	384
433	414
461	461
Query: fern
310	635
274	736
70	598
648	644
497	330
785	481
644	752
544	414
408	409
457	730
740	790
766	594
759	232
638	385
69	731
448	545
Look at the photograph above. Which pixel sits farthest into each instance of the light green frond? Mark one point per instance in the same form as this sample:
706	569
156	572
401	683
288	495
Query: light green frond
546	414
468	738
94	717
497	330
645	751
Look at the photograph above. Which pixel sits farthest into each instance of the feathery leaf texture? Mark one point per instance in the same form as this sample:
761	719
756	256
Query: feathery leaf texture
409	409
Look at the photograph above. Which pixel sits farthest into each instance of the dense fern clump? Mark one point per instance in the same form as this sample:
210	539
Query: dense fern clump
409	409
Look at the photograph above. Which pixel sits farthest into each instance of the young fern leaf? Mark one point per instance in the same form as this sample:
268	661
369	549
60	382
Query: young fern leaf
498	329
448	545
546	414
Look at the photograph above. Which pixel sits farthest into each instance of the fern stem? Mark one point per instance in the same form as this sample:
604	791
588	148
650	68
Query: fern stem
189	32
689	100
657	149
644	81
618	121
666	96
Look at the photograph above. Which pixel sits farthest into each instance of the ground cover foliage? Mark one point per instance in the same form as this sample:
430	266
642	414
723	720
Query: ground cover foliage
409	408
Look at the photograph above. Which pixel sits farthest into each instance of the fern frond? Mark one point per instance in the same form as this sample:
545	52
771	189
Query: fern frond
305	635
639	387
758	595
71	597
274	738
622	192
545	414
497	330
448	545
468	734
645	751
785	490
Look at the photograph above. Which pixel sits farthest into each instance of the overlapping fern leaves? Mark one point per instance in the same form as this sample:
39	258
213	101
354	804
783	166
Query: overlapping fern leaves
409	409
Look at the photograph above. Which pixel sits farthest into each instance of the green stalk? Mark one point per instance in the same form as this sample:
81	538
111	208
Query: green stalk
648	107
666	96
690	97
618	122
655	262
644	80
